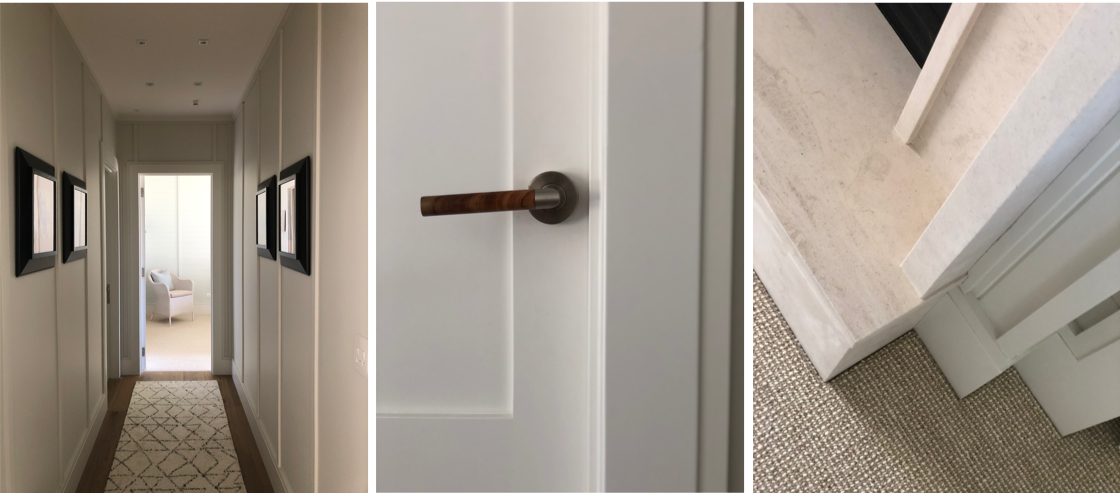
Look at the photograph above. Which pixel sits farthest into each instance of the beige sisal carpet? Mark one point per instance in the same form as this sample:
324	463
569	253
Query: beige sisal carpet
892	423
176	438
184	346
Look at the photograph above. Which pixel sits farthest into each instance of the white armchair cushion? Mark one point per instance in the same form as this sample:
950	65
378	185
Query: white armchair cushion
178	293
163	278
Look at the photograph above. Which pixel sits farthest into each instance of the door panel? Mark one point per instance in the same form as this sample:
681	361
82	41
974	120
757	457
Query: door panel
445	329
483	322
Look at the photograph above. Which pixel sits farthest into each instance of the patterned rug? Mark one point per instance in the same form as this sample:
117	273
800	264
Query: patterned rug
176	438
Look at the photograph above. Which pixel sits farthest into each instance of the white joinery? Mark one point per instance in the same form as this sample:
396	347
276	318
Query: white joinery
1090	290
1082	343
960	338
1046	297
1075	393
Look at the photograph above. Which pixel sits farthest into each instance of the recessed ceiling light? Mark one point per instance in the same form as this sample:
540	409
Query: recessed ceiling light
198	83
149	84
196	102
204	41
141	41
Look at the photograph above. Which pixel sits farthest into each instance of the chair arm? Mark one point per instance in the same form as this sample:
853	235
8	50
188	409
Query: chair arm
160	289
182	283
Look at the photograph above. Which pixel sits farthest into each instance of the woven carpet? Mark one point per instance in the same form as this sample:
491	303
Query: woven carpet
892	423
176	438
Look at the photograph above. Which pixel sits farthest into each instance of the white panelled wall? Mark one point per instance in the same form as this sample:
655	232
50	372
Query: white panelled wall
294	336
52	364
177	231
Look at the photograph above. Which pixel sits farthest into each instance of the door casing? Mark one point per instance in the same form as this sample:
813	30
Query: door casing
221	347
110	266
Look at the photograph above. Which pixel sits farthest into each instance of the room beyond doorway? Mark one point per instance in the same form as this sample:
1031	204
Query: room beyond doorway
176	248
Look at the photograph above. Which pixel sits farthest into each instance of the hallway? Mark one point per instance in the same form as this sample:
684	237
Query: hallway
252	385
108	462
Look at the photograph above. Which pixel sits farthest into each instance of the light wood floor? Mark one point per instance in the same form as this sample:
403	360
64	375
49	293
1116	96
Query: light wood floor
100	461
182	346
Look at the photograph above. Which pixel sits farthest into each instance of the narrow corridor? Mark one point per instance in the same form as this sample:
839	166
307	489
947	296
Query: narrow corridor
179	436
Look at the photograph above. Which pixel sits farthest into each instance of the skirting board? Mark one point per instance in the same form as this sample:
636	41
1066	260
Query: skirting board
74	475
1075	394
818	327
955	335
266	454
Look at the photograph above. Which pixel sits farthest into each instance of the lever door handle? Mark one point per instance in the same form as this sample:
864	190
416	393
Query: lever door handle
551	198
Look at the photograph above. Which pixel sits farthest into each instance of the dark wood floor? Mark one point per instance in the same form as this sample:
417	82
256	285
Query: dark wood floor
100	461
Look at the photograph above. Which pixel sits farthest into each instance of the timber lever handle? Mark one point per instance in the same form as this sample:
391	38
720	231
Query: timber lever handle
551	198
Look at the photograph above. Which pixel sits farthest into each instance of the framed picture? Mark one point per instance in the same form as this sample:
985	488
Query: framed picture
266	218
295	216
74	207
35	219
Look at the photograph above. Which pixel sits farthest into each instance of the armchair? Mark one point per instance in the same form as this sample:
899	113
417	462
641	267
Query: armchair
174	296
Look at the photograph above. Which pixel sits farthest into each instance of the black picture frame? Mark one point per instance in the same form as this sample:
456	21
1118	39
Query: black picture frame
27	168
300	173
271	210
70	251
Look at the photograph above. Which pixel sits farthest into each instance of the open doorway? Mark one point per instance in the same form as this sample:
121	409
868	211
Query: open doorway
176	251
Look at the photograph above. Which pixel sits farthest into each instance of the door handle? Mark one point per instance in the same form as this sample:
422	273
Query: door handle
551	198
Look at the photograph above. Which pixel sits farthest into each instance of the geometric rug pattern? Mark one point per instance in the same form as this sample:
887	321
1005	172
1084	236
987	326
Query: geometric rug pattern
176	438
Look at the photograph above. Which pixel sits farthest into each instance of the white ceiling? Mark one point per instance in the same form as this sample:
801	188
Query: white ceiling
172	58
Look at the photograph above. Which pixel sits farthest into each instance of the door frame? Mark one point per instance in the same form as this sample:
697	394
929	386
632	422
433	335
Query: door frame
110	335
221	330
653	131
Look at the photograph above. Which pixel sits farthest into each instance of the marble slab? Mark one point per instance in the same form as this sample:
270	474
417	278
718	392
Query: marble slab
829	83
1070	97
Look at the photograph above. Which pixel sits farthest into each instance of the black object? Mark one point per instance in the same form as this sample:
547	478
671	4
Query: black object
27	168
268	188
71	184
300	261
916	24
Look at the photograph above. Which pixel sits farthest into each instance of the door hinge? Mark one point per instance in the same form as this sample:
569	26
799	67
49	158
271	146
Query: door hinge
141	193
143	351
108	295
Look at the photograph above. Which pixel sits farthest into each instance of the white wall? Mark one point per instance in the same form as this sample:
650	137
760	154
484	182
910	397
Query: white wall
296	332
177	231
52	357
268	371
344	261
170	143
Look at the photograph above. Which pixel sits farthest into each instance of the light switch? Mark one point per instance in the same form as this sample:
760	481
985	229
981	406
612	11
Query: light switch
361	355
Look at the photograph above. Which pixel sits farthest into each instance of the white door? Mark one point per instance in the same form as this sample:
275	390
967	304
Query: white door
512	355
110	221
483	376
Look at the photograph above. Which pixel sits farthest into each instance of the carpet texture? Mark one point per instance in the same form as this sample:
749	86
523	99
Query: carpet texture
184	346
892	423
176	438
